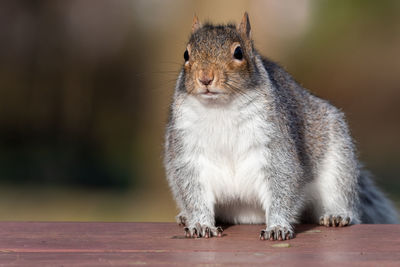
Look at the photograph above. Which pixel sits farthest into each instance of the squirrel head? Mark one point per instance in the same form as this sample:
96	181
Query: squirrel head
219	61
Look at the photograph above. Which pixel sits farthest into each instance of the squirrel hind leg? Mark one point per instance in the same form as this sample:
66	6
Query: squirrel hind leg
334	220
335	188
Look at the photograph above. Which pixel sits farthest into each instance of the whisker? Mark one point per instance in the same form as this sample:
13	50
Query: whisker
247	98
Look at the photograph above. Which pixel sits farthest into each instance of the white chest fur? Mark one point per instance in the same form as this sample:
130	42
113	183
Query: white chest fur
228	147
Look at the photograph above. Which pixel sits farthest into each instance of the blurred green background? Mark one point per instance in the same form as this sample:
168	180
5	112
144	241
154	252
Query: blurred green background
85	88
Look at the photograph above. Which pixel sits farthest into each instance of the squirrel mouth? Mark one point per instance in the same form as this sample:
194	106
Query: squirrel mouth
208	93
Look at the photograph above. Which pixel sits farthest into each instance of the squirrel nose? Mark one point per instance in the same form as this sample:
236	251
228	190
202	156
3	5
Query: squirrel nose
206	79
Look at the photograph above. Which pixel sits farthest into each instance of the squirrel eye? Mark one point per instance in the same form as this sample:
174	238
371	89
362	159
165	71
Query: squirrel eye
238	54
186	56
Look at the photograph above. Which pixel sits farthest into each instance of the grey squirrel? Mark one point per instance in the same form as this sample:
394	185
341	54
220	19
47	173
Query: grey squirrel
245	143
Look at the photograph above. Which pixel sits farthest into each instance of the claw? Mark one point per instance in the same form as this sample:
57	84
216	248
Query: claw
181	220
187	232
195	235
219	230
334	220
207	232
262	233
271	235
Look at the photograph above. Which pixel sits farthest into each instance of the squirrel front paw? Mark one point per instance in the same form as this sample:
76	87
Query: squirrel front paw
203	230
334	220
277	233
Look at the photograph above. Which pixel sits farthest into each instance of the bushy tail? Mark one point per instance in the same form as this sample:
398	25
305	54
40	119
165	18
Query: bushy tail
374	206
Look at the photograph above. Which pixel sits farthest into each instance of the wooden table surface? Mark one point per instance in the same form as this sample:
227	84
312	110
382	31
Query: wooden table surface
126	244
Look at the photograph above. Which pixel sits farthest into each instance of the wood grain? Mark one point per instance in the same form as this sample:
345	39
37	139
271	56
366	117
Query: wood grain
124	244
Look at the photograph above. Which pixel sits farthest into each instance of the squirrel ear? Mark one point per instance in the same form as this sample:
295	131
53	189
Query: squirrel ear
196	24
244	26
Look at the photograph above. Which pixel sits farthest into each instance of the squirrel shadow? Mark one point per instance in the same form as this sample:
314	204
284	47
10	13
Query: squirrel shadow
299	228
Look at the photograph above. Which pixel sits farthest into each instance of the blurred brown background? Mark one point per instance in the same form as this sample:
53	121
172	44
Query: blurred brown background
85	88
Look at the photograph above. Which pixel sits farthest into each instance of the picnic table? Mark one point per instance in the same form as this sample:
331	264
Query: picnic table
149	244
